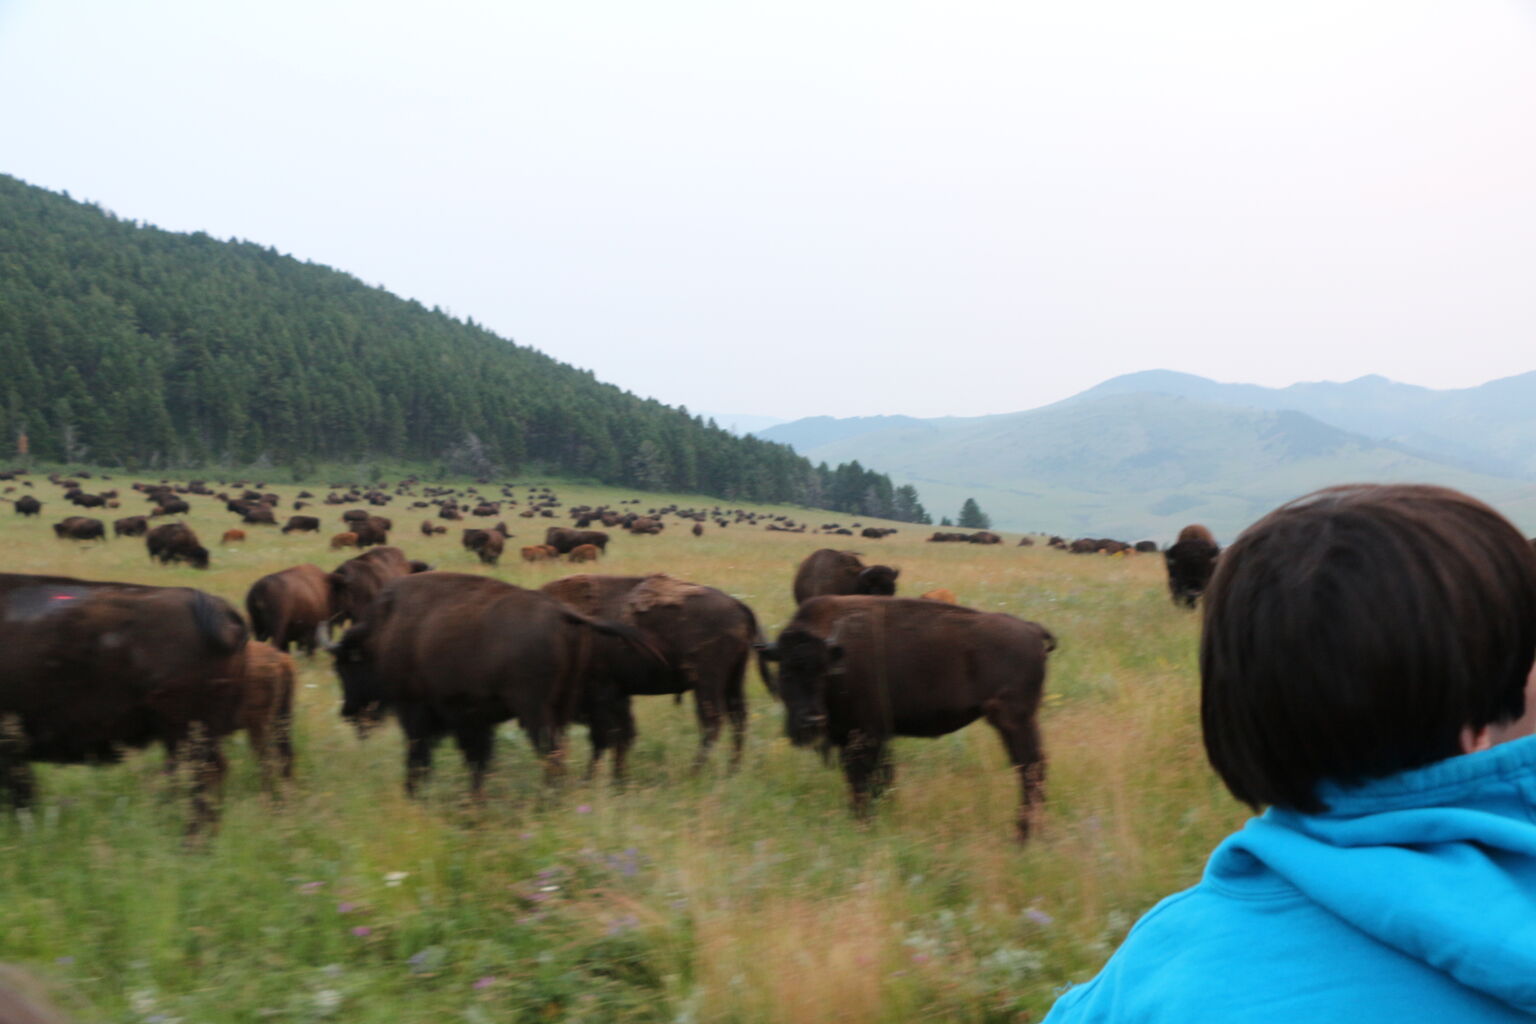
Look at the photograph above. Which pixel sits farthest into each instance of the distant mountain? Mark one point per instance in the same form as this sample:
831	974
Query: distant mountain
1491	427
1142	455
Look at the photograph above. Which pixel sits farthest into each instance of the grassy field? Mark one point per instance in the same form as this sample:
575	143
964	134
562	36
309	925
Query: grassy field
686	897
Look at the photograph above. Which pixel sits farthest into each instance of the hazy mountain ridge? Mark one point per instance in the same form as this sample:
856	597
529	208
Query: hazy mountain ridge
1142	454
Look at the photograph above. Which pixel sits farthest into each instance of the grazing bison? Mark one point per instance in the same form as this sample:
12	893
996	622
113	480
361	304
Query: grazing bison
302	524
266	712
1191	562
233	537
344	540
130	526
698	529
487	544
290	607
430	529
175	542
26	505
371	531
258	514
840	572
584	553
705	635
80	528
563	539
537	553
943	595
357	581
94	669
458	653
854	672
1146	546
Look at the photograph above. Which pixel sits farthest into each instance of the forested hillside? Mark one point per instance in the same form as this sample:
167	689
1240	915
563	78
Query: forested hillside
124	344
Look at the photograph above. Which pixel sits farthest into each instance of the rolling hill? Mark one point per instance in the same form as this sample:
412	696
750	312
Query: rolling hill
1140	456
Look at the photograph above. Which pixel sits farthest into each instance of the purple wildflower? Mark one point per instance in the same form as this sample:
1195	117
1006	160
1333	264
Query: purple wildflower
584	809
345	908
1039	916
362	931
485	982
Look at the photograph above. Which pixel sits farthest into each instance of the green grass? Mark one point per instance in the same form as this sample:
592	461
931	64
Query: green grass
686	897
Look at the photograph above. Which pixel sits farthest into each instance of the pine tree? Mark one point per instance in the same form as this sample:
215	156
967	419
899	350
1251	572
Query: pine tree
972	517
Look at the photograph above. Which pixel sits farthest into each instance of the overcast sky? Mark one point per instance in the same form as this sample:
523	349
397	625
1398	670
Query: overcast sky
809	206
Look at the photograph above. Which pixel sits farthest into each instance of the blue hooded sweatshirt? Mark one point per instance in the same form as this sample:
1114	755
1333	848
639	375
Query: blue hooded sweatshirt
1412	898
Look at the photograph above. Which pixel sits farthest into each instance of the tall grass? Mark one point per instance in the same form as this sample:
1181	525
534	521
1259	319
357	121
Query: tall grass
686	897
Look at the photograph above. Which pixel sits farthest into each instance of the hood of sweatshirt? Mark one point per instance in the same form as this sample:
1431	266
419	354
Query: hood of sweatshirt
1438	863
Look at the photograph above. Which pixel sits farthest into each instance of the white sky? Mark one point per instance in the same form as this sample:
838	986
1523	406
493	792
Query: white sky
809	206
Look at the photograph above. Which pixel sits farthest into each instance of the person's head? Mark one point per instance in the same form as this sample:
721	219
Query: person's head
1361	631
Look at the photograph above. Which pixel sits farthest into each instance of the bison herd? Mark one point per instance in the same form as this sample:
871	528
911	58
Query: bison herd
94	669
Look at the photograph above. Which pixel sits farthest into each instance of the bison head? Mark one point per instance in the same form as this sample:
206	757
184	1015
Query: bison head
363	700
877	580
197	555
805	661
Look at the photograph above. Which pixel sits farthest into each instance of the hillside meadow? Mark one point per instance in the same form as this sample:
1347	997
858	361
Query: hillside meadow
686	896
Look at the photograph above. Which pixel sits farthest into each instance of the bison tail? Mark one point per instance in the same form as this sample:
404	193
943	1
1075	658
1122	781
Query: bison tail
760	646
220	626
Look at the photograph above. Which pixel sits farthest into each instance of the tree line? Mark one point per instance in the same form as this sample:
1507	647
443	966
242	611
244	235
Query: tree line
127	345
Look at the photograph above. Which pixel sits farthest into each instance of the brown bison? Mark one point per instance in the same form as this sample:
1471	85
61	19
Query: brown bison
698	529
357	581
458	653
266	712
487	544
538	553
840	572
943	595
343	540
80	528
175	542
646	525
705	635
563	538
371	531
302	524
93	669
584	553
854	672
26	505
431	529
233	537
291	607
1191	562
258	514
130	526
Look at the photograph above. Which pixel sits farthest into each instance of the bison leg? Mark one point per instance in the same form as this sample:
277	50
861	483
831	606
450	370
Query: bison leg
420	737
208	769
1021	736
475	740
548	741
707	708
736	711
866	766
16	776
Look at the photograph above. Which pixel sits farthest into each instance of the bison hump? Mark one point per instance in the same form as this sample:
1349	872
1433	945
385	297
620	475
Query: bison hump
661	591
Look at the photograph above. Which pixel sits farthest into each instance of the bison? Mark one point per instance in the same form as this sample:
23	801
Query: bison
93	669
855	672
175	542
233	537
841	572
584	553
290	607
357	581
344	540
80	528
1191	561
458	653
302	524
563	539
943	594
130	526
487	544
26	505
705	635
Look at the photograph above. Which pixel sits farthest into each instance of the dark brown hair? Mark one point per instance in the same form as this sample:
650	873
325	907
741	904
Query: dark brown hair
1353	633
